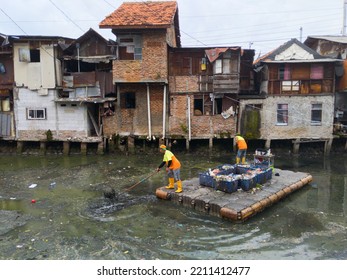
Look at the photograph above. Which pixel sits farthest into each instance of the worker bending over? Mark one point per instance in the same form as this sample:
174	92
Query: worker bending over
172	168
241	149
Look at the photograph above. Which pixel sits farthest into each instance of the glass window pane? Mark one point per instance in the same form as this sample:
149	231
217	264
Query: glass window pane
282	114
218	66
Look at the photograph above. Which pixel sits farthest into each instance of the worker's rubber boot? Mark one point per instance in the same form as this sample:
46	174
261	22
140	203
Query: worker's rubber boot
171	183
179	187
243	160
237	160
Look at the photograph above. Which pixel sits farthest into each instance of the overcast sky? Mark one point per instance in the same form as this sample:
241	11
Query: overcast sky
258	24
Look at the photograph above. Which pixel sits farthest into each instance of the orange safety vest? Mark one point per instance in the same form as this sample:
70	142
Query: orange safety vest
175	164
241	143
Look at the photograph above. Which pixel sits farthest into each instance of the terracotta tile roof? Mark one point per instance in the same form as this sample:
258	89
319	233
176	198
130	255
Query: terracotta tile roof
151	14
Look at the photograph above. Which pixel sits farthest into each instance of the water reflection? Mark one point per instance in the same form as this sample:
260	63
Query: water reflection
72	219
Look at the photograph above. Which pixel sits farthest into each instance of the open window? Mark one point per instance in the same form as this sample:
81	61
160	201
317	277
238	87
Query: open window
128	100
29	55
208	104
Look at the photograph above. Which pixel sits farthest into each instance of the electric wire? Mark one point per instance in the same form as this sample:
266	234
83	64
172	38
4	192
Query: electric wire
13	21
72	21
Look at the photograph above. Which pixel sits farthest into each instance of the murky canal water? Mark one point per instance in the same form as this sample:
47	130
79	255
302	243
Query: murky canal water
71	219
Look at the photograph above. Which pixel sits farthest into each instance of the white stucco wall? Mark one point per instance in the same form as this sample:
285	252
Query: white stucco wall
299	117
72	118
35	75
64	122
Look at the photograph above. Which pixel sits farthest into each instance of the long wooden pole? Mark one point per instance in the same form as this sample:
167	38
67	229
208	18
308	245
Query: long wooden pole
144	179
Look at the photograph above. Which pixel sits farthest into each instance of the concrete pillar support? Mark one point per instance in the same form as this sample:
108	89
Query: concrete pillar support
84	148
100	150
20	147
296	146
43	146
187	144
327	146
66	148
268	144
210	144
131	145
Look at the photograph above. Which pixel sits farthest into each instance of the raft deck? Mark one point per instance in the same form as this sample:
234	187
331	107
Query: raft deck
239	205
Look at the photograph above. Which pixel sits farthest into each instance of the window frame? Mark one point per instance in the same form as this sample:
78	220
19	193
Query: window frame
319	111
284	113
29	55
130	47
35	116
290	86
128	100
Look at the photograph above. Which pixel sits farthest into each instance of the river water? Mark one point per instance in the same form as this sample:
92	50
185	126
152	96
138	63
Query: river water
53	207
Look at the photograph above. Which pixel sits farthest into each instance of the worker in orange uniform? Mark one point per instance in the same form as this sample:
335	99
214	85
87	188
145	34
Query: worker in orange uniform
242	149
172	168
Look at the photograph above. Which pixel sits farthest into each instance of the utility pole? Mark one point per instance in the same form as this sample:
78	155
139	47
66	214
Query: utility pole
344	18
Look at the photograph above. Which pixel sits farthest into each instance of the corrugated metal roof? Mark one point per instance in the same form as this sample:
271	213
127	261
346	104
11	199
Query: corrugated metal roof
337	39
142	15
270	56
213	54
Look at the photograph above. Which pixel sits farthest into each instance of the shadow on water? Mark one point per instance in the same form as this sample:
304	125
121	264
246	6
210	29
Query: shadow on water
102	209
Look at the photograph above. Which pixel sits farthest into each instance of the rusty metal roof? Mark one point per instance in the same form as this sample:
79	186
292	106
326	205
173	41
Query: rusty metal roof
213	54
159	14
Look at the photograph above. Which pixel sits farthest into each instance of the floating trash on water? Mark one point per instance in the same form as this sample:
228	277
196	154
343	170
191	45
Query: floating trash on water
33	201
19	246
32	186
13	198
52	185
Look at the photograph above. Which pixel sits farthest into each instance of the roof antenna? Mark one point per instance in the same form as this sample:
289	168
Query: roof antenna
301	34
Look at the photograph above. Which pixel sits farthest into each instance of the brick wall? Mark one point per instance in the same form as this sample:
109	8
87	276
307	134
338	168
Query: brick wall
135	121
183	84
201	126
152	67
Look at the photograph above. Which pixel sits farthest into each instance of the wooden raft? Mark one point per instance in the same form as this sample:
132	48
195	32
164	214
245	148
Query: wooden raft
240	205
